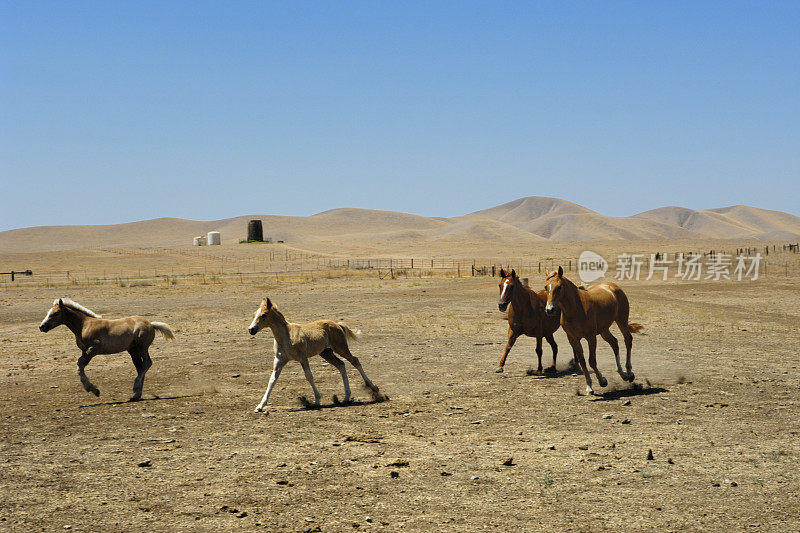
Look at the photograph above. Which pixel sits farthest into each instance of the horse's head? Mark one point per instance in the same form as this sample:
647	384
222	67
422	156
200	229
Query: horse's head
54	317
554	286
263	316
507	286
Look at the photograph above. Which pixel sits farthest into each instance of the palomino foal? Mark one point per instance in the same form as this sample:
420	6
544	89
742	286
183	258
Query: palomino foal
586	313
298	342
96	335
526	316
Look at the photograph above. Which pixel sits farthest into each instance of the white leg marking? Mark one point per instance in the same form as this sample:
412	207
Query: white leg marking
277	366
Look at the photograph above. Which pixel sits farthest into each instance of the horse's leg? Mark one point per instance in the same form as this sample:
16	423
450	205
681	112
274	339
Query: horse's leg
83	360
591	340
512	338
612	340
628	338
277	366
310	378
539	352
327	354
577	352
139	364
343	350
142	367
553	346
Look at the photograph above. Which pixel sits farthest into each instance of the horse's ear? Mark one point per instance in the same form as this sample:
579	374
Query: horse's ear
502	272
60	303
269	304
513	273
560	271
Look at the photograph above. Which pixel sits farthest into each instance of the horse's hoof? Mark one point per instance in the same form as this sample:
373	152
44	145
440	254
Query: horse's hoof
551	370
95	391
135	398
589	391
498	370
257	410
631	376
603	382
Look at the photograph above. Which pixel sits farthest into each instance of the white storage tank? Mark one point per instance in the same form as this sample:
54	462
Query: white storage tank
213	238
199	240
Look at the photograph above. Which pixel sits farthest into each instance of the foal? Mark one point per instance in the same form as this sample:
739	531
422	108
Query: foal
585	313
95	335
298	342
526	316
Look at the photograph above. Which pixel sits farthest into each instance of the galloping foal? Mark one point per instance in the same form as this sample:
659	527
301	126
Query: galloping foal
526	316
585	313
298	342
95	335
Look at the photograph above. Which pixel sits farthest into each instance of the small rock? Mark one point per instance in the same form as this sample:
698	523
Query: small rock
473	478
394	474
650	455
670	461
715	484
626	421
146	463
626	402
67	527
148	415
606	417
509	462
282	482
242	514
583	447
445	474
368	519
551	447
196	363
235	375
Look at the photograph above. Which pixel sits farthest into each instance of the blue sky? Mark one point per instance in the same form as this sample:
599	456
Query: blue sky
120	111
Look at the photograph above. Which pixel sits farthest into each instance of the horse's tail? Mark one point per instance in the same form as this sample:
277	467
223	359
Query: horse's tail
164	329
349	333
635	327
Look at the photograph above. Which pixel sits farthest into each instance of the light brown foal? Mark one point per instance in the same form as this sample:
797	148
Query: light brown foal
526	316
96	335
298	342
586	313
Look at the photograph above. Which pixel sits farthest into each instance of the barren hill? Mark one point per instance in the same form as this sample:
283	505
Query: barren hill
527	219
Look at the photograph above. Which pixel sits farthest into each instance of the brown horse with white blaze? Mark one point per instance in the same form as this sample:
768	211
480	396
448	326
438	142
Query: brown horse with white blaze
526	316
586	313
96	335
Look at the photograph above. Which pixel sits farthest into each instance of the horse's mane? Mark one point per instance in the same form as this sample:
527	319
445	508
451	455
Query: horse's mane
77	307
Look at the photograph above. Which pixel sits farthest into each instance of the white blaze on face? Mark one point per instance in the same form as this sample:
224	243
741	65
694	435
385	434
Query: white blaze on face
506	285
46	318
254	324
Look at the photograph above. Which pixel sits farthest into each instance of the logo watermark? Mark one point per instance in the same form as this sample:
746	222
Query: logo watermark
591	266
686	266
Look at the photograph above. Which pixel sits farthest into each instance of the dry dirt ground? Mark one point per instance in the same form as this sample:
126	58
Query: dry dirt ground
718	407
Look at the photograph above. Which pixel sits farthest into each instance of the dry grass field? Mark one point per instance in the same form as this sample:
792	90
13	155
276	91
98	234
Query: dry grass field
456	447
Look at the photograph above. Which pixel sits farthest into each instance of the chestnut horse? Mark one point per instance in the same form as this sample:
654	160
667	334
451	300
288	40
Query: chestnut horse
96	335
586	313
526	316
298	342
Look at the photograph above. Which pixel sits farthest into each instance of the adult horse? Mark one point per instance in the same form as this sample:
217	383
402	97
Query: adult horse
298	342
586	313
96	335
526	316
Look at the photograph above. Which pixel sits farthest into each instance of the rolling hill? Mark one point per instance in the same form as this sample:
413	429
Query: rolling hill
529	219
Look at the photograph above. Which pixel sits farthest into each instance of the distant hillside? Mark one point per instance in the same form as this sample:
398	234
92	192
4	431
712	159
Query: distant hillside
529	219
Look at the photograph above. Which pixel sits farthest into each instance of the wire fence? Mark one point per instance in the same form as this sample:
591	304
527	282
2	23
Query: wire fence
213	266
